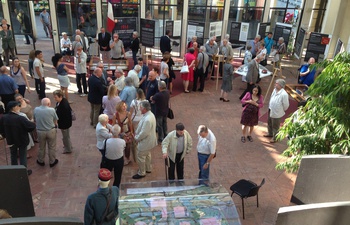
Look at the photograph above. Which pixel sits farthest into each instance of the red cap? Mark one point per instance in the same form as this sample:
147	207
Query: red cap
104	174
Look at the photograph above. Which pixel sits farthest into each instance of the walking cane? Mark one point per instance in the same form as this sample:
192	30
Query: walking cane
166	163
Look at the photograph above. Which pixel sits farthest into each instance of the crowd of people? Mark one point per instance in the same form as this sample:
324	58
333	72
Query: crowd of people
129	112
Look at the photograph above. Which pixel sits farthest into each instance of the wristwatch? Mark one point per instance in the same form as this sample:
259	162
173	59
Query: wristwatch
207	163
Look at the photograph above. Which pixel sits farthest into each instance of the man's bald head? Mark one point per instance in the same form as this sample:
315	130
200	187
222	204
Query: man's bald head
45	102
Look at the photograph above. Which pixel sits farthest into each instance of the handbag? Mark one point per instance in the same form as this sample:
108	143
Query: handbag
184	68
170	112
73	115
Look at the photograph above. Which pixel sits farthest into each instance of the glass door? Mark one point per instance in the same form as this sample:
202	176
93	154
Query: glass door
21	26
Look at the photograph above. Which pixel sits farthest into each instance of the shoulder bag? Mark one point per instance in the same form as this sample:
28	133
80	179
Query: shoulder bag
107	216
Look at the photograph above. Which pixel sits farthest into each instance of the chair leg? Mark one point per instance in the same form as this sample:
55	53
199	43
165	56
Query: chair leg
257	200
243	207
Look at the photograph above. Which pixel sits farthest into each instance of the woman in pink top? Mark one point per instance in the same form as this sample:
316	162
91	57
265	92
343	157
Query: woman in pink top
188	77
110	101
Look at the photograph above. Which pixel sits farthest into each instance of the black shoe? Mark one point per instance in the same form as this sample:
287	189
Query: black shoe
148	171
27	43
40	163
243	139
200	90
54	163
250	138
29	172
137	176
194	90
221	99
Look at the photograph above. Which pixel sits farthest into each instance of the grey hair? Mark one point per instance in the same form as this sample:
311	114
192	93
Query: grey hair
213	38
128	81
258	36
137	67
146	105
281	39
227	36
102	118
136	33
115	130
120	70
202	48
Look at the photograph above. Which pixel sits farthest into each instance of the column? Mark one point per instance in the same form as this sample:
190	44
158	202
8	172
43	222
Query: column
55	34
184	29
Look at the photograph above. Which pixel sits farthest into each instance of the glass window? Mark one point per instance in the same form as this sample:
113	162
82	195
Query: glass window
253	16
72	15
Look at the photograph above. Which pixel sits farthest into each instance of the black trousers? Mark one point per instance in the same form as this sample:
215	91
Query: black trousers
81	79
249	87
116	165
6	99
178	165
210	66
40	88
198	73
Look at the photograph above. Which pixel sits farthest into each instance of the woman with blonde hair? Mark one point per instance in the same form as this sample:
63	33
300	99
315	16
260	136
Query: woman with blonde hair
123	118
110	101
135	110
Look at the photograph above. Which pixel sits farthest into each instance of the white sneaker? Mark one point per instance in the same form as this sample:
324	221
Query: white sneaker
83	95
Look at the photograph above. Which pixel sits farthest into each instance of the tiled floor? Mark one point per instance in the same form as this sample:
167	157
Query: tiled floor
62	190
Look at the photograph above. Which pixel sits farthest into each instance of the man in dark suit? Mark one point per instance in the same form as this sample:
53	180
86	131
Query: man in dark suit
96	92
252	74
8	44
15	128
143	75
103	41
165	45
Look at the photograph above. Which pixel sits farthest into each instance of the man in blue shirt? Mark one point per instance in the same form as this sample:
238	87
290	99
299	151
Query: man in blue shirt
306	76
268	43
152	89
8	87
128	93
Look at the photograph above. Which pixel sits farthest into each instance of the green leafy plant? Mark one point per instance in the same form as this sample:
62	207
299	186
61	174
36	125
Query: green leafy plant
322	126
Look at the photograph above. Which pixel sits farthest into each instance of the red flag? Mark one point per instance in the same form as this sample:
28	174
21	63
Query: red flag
110	17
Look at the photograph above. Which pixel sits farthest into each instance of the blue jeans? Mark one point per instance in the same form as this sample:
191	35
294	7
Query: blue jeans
162	127
202	159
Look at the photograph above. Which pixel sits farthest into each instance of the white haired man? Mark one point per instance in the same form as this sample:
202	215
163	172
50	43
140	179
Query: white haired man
146	138
46	119
279	103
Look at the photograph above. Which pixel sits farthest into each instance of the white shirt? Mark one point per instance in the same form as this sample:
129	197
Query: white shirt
135	78
65	42
102	133
279	103
37	63
115	148
80	67
135	104
119	82
207	145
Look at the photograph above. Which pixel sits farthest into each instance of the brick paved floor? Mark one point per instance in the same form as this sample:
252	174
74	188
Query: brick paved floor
62	190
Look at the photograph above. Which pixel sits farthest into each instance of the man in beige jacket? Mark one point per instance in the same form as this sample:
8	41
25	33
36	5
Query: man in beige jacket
146	138
176	145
